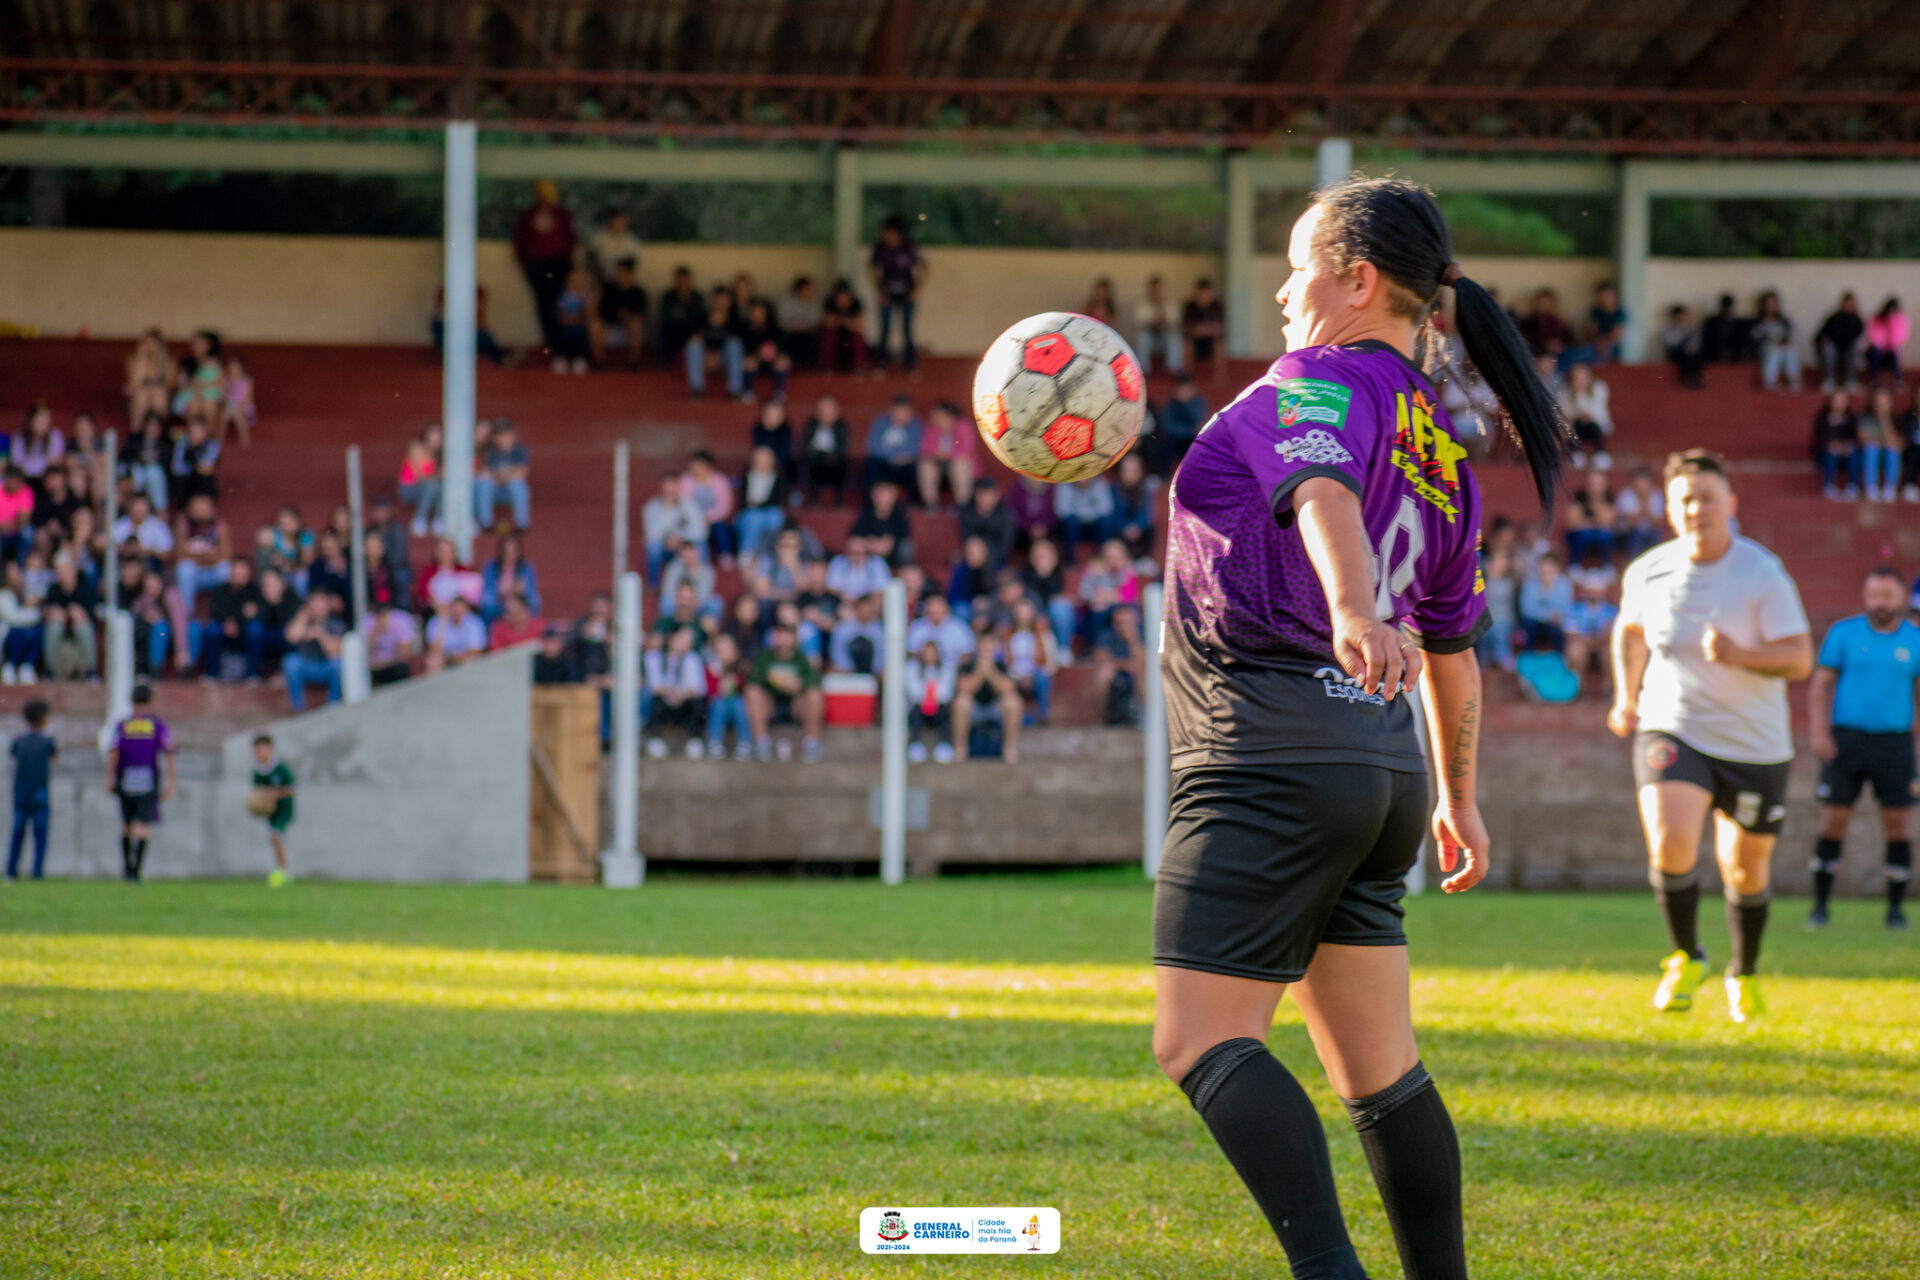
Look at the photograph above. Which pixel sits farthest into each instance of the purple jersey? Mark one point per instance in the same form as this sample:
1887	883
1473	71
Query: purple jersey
1243	596
139	742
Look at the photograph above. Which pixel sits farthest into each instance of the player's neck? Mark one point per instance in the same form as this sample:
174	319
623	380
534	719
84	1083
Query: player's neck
1706	550
1367	327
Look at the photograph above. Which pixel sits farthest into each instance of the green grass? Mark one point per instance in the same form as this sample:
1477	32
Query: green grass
711	1078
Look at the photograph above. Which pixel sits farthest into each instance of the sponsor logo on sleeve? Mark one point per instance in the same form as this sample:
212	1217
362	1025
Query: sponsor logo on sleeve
1315	447
1312	400
1425	454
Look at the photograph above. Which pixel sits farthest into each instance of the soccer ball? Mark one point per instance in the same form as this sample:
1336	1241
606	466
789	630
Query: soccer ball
1059	396
261	802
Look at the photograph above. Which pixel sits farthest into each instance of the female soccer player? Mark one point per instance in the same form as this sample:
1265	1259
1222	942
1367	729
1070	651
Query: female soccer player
1322	540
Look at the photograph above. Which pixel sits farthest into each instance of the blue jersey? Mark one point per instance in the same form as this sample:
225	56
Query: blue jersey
1877	671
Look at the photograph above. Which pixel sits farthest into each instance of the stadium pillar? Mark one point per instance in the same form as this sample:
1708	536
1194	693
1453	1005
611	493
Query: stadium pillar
621	866
459	279
1332	161
1153	792
893	736
847	217
1238	291
356	678
1633	237
622	486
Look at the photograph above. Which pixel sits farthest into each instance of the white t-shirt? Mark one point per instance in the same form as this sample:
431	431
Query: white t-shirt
1716	709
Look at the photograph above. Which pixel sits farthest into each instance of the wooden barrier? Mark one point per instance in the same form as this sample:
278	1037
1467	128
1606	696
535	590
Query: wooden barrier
564	839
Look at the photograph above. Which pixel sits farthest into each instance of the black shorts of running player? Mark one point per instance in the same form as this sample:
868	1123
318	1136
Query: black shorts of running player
1753	795
1884	759
142	808
1264	862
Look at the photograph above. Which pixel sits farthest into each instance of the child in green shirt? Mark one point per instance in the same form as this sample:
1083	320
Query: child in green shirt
273	782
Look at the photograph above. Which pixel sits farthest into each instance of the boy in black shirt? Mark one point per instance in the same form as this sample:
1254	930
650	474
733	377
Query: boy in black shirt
33	755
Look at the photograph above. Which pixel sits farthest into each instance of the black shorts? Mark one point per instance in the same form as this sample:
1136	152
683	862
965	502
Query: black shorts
144	808
1753	795
1884	759
1264	862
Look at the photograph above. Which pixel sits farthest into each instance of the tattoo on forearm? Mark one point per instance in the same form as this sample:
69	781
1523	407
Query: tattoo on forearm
1466	733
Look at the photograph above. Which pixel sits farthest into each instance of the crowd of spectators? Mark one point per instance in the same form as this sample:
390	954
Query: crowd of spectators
1852	353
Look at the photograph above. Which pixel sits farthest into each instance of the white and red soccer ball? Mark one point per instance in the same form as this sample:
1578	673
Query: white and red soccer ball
1059	396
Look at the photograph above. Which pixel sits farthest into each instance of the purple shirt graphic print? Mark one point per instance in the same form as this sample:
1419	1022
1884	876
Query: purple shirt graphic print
139	742
1238	575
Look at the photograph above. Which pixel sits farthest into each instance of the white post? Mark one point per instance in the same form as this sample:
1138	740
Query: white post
110	589
1332	161
848	261
1153	815
117	654
457	392
621	488
621	866
356	676
893	738
1633	241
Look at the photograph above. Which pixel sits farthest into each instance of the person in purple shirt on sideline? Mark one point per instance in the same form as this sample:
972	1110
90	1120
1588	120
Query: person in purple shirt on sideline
1321	561
141	754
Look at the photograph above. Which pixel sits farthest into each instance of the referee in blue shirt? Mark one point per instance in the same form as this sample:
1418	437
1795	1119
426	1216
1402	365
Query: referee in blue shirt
1864	689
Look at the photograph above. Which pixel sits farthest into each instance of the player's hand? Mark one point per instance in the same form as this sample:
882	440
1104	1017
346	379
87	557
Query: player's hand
1623	719
1375	654
1718	648
1823	745
1463	842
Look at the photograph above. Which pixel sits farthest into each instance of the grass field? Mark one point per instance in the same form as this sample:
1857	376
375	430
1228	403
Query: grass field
711	1078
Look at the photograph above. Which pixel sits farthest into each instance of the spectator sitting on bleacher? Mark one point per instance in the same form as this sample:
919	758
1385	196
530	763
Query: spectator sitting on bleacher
573	324
1046	582
1772	335
622	308
419	483
515	624
1879	448
883	523
22	635
385	583
1495	648
763	506
1119	666
938	626
1680	341
1029	645
485	345
1725	336
55	506
798	314
984	682
683	313
455	635
1836	441
1886	337
1030	504
843	330
1590	618
973	578
712	492
682	611
818	603
930	680
823	460
139	525
783	687
1099	303
1589	516
332	573
509	573
1606	319
1085	510
39	446
1840	344
859	639
144	457
16	515
147	604
856	572
613	244
279	606
689	570
1640	514
782	575
893	444
987	518
1546	333
194	468
502	474
948	451
447	578
766	350
313	649
772	430
1909	444
1181	418
68	610
719	335
206	552
554	663
1156	328
240	413
668	519
393	638
677	695
149	374
1132	518
590	648
1584	402
1544	600
1108	582
913	580
726	703
1203	323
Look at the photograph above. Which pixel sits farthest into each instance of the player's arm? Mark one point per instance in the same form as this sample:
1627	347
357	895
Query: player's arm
113	767
1820	710
1336	541
1629	647
1788	658
1451	684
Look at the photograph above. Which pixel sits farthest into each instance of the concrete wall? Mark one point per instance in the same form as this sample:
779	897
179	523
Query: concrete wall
1809	288
425	781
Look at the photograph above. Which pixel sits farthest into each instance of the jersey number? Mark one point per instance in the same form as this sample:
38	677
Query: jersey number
1394	581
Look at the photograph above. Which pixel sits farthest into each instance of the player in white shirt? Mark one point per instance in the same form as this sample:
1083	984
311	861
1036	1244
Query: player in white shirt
1710	631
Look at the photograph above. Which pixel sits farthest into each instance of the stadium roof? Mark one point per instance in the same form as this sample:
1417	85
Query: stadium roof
1773	77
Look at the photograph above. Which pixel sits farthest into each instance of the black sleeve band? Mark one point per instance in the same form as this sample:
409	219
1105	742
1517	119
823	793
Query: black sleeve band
1453	644
1282	500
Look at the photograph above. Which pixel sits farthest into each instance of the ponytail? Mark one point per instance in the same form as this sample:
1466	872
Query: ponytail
1501	355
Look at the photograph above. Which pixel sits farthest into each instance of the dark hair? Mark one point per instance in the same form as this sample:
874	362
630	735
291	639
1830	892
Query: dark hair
260	738
1887	308
1886	571
1397	227
37	712
1692	462
142	694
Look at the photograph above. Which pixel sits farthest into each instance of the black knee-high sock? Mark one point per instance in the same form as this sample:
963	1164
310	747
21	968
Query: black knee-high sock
1679	899
1826	861
1746	921
127	868
1267	1126
139	855
1899	871
1409	1140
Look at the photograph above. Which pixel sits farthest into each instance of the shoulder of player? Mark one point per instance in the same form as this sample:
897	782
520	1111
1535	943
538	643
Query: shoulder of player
1759	557
1649	562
